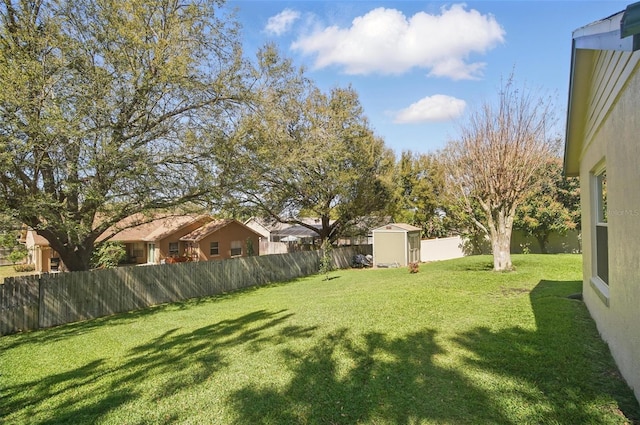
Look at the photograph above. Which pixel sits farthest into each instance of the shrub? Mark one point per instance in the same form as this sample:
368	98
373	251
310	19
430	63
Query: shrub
24	267
326	262
18	254
250	250
414	267
109	255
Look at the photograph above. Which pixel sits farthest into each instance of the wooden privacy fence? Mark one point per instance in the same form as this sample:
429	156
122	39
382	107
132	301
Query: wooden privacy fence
42	301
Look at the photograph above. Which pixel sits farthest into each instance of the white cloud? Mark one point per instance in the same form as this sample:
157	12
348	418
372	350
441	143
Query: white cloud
438	107
385	41
282	22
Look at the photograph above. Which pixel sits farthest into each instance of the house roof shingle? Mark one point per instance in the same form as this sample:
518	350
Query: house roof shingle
154	230
202	232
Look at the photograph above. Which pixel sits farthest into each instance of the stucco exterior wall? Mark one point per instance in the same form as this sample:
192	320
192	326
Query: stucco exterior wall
40	255
162	246
224	237
615	145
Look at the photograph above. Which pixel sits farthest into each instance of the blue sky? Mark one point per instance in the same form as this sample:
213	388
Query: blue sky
419	66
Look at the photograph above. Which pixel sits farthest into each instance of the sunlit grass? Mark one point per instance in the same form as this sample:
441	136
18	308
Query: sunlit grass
9	271
455	343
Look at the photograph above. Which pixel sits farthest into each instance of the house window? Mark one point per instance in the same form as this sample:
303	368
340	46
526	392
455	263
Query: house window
236	248
600	231
214	248
137	251
173	249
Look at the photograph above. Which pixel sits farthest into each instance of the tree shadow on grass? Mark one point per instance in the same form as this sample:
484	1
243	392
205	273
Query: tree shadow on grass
173	361
381	380
563	363
62	332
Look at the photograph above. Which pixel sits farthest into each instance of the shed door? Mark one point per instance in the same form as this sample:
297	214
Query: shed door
414	248
389	248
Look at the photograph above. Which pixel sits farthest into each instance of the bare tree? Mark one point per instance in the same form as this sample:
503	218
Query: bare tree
497	159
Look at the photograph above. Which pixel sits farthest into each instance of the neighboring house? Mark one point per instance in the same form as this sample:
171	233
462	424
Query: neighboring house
297	233
165	239
150	242
155	241
396	244
221	239
274	231
41	255
603	148
268	229
259	226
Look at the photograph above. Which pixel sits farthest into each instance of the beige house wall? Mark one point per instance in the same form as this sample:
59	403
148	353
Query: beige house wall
611	141
224	236
40	255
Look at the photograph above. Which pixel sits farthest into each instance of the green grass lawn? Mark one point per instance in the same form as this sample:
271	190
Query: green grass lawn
453	344
8	271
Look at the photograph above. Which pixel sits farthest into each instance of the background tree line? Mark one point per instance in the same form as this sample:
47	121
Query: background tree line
109	109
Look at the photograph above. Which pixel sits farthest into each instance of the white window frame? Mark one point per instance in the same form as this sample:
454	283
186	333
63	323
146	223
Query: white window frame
217	248
235	246
600	279
151	253
173	252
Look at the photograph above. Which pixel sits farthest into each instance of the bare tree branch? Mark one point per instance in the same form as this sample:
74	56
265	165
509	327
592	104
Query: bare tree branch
495	162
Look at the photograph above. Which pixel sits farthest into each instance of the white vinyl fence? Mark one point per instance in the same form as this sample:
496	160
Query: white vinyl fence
457	247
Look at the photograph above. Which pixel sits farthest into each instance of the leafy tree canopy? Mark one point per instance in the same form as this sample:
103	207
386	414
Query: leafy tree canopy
110	108
301	151
420	194
553	207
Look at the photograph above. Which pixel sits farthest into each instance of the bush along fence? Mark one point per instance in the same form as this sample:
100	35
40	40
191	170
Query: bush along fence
42	301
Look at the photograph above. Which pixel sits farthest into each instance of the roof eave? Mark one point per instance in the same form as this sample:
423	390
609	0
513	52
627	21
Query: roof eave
576	110
605	34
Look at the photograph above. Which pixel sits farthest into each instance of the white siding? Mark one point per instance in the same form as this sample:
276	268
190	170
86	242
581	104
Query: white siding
612	140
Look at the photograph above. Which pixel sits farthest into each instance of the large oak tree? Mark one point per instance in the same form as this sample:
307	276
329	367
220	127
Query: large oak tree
110	108
300	152
420	193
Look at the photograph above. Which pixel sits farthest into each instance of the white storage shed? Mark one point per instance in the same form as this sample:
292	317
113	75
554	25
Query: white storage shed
396	244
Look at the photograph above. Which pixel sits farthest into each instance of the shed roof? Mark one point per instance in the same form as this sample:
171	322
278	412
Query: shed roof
39	240
397	227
